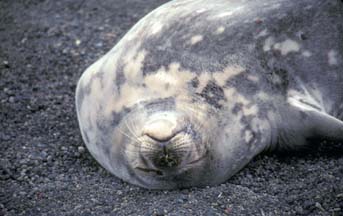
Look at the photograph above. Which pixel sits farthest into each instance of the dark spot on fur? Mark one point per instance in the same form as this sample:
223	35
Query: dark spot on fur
117	117
195	82
120	77
238	107
213	94
282	74
243	85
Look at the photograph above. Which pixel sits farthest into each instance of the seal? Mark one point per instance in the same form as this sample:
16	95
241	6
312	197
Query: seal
197	88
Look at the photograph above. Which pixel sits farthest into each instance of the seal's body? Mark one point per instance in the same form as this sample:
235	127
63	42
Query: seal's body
197	88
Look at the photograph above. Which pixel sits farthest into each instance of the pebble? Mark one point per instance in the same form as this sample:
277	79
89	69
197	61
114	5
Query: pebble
77	42
100	44
23	193
299	210
319	206
23	40
44	154
49	158
336	209
6	64
5	137
81	149
11	99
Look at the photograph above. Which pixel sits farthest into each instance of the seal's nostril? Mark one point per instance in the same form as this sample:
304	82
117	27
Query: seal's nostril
167	161
165	158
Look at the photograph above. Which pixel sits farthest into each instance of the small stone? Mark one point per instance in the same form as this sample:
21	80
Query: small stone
24	161
11	99
60	177
94	200
23	193
228	210
299	209
319	206
159	212
81	149
100	44
77	42
23	40
214	204
336	209
49	158
44	154
58	44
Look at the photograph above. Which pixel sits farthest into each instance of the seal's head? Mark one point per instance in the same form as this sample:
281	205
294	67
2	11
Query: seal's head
164	145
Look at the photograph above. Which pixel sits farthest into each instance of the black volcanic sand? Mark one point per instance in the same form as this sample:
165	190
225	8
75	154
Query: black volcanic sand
45	169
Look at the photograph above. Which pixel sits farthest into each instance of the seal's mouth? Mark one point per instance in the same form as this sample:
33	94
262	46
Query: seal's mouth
173	170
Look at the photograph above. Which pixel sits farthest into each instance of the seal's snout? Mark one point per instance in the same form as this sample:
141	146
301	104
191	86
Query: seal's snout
160	130
162	127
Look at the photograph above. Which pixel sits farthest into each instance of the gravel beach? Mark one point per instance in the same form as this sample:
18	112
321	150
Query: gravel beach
45	169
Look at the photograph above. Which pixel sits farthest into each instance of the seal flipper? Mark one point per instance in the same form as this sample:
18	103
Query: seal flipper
301	121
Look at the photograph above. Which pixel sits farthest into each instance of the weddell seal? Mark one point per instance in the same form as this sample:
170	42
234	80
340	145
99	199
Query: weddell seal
197	88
